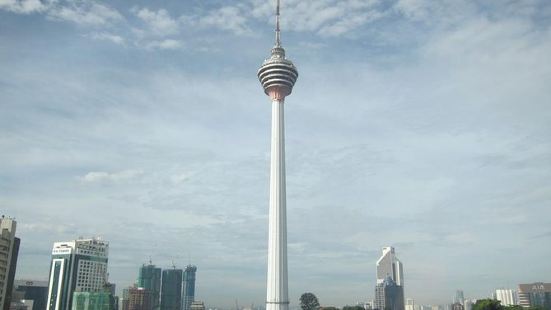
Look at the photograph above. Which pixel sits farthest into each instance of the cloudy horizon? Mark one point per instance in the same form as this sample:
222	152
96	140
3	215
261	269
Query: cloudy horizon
414	123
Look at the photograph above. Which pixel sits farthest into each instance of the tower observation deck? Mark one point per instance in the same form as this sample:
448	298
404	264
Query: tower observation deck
277	76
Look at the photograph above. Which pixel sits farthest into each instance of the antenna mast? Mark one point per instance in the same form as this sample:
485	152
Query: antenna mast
278	36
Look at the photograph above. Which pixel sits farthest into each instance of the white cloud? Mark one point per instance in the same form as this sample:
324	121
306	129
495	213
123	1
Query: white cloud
168	44
102	176
227	18
85	12
23	6
326	18
104	36
159	22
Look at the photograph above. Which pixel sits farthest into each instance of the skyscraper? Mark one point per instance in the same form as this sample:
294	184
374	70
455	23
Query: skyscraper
389	266
171	289
459	297
189	287
149	278
389	295
9	250
77	266
277	76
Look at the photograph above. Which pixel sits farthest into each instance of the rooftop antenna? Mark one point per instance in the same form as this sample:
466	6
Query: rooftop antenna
277	31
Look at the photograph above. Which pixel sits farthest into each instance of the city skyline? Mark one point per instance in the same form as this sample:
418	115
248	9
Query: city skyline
417	124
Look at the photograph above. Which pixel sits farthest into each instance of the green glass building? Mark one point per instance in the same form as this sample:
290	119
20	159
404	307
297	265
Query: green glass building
93	301
149	278
171	289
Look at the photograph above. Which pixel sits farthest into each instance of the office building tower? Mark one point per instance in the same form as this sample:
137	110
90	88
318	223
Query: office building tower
149	278
410	304
507	297
189	287
389	295
9	250
277	76
171	289
77	266
389	266
535	295
37	291
459	297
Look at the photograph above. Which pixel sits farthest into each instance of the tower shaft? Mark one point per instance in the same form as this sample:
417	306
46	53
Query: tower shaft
277	290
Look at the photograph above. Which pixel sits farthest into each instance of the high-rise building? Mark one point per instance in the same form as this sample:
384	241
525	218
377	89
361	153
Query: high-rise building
171	289
535	294
189	287
149	278
389	268
9	250
410	304
137	298
37	291
507	297
77	266
277	76
389	295
459	297
388	265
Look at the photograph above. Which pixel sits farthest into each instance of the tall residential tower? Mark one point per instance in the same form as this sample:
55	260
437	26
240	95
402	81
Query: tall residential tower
277	76
9	250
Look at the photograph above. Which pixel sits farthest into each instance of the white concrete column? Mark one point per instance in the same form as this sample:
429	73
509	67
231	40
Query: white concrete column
277	292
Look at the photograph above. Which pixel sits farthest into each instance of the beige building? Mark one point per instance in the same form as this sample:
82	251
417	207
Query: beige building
9	248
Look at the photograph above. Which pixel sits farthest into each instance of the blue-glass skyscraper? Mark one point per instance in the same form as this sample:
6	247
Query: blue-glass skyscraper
189	287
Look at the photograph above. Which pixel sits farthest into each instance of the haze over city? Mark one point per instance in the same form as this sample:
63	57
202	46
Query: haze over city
422	125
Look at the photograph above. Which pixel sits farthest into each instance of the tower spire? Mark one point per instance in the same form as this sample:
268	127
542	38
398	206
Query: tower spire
277	30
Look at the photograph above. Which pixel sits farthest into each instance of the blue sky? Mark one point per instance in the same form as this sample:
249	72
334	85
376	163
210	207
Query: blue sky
414	123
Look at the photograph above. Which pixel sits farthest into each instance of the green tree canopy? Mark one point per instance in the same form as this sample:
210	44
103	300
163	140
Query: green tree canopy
309	301
487	304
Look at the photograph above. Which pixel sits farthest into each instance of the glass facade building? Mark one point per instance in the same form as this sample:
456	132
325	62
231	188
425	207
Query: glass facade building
189	287
171	289
149	278
77	266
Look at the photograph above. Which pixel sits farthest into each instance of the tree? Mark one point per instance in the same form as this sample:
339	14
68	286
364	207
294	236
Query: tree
309	301
488	304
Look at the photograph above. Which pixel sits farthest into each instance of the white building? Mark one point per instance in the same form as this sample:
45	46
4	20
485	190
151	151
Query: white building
410	304
507	297
389	265
77	266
